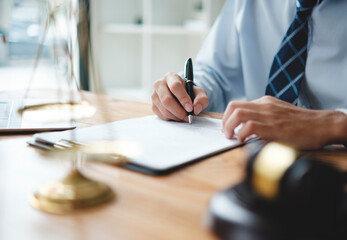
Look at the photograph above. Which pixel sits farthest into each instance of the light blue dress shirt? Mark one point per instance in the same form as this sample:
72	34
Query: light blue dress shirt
236	57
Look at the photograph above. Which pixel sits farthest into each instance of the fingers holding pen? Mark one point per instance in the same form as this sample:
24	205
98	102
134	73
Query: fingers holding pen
165	101
163	114
177	86
201	100
161	111
170	99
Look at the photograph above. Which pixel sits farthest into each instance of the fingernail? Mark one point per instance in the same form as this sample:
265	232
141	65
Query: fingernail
186	119
188	107
198	109
228	135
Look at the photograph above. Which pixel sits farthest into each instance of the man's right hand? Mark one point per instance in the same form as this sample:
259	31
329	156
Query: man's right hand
170	100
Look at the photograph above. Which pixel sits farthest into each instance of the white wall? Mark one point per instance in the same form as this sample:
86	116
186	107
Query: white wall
130	55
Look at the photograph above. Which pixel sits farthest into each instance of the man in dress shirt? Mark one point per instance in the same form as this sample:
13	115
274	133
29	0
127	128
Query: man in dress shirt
235	62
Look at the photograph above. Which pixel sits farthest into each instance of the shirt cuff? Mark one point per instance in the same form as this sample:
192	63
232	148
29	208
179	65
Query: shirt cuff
344	110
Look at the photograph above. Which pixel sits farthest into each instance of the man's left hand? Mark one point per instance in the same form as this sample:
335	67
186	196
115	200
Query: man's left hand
274	119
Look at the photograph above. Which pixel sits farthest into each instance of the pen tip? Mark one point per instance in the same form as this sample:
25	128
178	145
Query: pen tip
190	119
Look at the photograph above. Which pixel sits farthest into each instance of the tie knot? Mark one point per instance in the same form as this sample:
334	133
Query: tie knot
306	5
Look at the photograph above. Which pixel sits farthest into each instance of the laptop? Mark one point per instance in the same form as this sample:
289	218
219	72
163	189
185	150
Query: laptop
12	122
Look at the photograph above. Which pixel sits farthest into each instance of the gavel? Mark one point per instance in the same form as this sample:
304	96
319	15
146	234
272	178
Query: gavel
285	195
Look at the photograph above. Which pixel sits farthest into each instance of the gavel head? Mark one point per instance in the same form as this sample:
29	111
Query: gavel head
306	192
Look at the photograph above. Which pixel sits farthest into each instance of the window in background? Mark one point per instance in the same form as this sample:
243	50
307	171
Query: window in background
21	28
25	31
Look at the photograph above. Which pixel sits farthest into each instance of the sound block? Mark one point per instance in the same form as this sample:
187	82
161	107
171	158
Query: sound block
232	216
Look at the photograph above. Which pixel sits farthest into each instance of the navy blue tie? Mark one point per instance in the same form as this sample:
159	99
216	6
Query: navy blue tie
288	68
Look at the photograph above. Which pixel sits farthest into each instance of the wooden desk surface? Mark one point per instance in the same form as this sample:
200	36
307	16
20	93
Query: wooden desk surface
146	207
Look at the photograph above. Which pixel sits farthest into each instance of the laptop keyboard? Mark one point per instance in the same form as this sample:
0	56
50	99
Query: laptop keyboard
11	120
4	114
4	110
9	117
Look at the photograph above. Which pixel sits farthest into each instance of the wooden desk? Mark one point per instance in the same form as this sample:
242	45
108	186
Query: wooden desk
146	207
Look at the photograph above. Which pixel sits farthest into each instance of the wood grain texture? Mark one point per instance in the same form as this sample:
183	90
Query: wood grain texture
146	207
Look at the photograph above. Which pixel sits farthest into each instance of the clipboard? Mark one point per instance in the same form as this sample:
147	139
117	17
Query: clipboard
166	145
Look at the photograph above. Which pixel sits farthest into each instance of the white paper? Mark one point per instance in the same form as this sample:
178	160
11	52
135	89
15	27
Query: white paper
164	144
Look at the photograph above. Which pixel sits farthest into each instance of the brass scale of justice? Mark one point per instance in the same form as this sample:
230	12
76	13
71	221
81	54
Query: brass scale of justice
75	191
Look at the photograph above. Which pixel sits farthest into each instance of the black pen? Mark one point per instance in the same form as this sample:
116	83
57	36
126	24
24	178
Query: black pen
190	85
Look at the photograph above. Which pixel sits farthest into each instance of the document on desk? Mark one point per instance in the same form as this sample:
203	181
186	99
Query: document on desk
164	144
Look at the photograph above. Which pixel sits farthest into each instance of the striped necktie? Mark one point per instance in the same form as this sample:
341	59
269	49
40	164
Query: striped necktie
288	67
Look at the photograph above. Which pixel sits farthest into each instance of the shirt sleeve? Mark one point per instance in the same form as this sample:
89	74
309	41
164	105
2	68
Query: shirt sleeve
218	65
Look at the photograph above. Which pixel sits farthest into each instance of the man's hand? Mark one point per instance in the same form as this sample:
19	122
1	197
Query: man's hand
170	100
273	119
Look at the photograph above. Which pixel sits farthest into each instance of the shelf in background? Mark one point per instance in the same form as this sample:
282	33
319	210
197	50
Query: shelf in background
136	94
143	29
137	41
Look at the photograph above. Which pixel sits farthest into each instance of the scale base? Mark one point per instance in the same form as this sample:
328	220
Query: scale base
74	192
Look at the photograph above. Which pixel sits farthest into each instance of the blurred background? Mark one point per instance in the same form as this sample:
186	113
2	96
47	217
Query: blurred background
134	43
